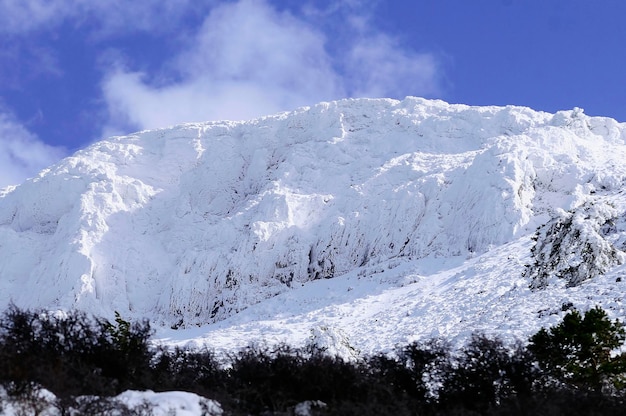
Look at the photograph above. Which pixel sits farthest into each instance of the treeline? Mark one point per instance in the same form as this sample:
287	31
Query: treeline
570	369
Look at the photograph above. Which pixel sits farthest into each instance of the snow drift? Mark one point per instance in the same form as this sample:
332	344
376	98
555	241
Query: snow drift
194	223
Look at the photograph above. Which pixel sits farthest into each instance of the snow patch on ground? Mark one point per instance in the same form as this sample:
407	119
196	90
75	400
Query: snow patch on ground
179	403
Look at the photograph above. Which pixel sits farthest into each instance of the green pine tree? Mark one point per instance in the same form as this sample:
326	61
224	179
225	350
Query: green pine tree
581	350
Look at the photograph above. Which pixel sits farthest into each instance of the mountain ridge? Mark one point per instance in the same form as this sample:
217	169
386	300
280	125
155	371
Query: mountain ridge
193	224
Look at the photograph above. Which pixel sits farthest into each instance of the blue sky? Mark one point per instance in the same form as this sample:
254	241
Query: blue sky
75	71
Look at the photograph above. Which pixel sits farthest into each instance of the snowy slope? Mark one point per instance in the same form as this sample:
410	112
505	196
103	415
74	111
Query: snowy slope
421	212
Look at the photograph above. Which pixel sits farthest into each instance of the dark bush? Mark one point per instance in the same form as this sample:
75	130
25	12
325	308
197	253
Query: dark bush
485	374
197	371
85	362
270	380
71	355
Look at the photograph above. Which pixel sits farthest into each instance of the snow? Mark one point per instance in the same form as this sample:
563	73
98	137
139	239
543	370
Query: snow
356	224
167	403
178	403
395	304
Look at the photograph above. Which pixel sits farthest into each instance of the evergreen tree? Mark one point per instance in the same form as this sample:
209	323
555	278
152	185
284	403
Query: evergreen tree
578	351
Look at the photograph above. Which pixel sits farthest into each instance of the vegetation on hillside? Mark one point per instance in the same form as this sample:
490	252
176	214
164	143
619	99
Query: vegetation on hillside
573	368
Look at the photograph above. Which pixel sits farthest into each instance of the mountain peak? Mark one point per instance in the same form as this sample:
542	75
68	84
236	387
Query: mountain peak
194	223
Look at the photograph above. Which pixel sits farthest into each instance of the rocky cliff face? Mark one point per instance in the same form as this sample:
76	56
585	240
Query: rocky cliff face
193	223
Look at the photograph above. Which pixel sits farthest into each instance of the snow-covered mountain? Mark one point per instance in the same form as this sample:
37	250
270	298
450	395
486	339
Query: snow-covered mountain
402	219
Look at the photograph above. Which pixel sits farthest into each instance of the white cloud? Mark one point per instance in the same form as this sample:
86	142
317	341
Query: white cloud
22	154
248	59
103	18
379	67
245	61
19	16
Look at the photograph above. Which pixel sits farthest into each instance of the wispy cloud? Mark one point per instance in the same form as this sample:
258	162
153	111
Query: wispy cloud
26	15
105	18
21	62
374	63
249	59
377	66
245	60
22	154
236	60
